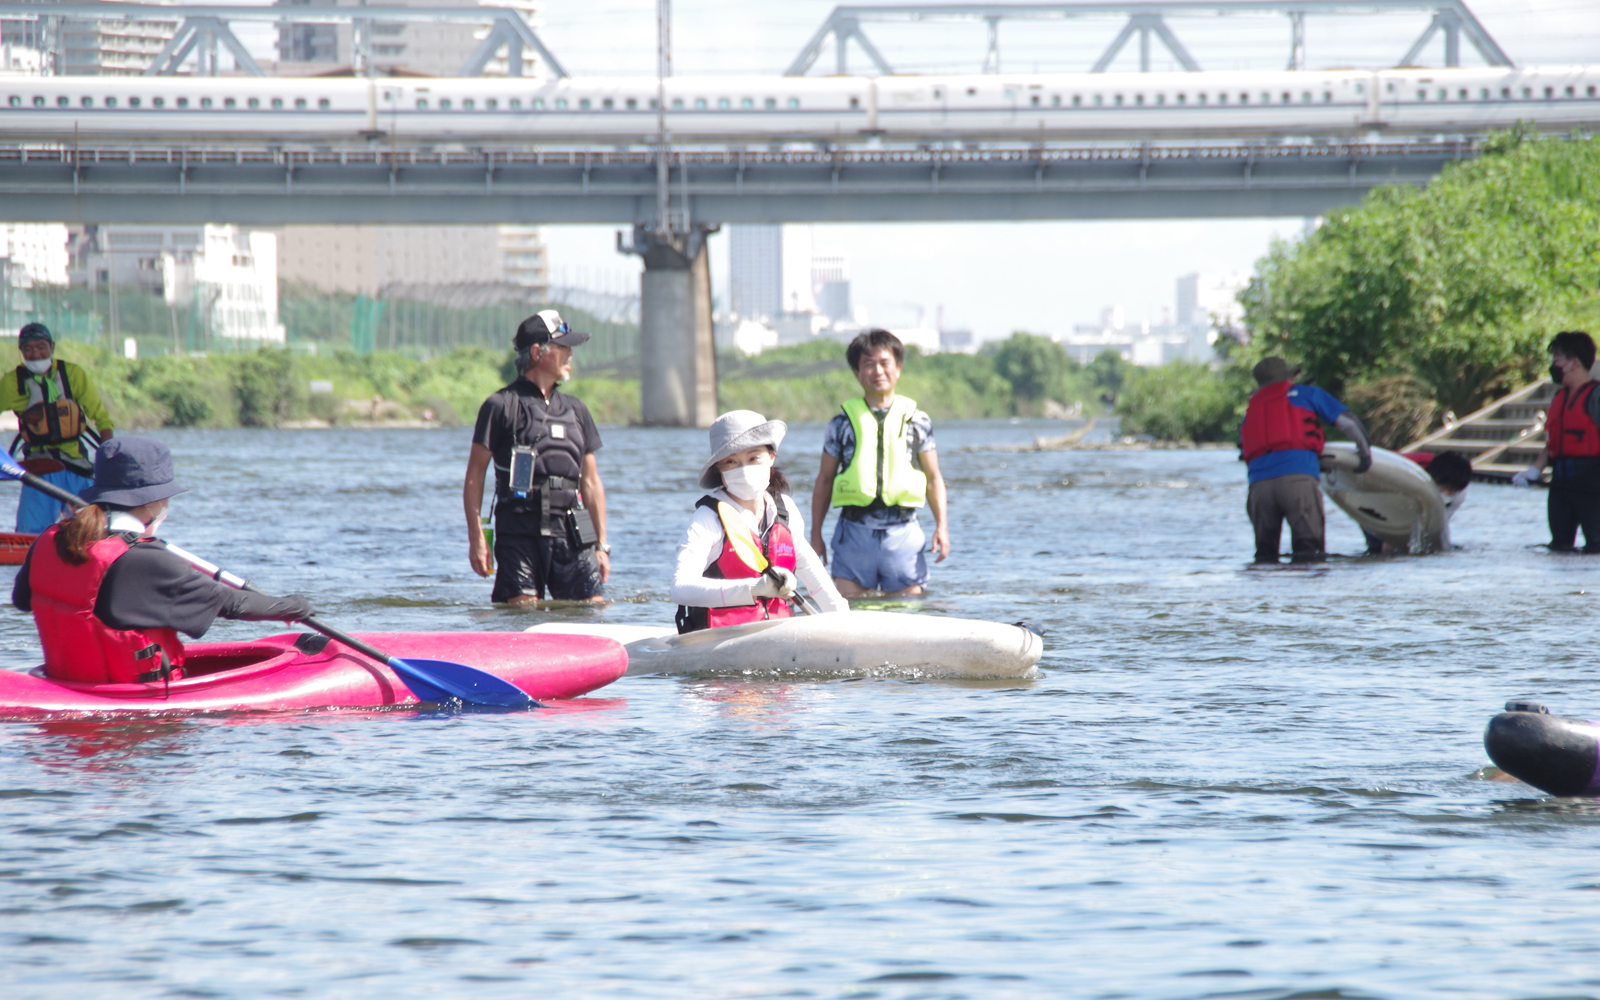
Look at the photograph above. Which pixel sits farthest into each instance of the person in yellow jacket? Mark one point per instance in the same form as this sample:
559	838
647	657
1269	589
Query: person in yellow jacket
60	420
879	467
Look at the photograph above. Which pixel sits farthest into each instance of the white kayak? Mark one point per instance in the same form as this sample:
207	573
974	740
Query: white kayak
1395	499
855	644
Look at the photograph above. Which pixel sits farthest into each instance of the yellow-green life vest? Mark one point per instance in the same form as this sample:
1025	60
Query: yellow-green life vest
881	468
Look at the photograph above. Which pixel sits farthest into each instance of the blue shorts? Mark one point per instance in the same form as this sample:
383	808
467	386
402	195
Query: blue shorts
36	511
886	559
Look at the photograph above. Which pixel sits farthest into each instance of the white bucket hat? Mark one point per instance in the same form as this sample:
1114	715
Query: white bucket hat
735	431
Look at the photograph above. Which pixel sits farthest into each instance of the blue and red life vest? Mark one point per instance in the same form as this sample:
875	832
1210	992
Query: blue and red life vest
78	646
743	557
1569	432
1272	422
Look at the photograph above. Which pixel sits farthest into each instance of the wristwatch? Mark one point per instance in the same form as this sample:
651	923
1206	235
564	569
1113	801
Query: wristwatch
603	547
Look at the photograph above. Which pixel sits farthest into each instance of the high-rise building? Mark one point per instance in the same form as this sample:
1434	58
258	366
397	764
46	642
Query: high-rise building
232	279
438	48
112	46
830	276
361	259
755	271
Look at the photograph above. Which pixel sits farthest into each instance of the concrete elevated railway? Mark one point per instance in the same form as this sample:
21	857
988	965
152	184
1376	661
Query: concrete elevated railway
777	110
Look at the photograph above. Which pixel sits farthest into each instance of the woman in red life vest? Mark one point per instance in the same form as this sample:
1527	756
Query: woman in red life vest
1571	446
108	598
744	552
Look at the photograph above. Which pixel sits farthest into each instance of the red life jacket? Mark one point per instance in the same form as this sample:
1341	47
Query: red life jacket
776	546
78	646
1568	430
1273	423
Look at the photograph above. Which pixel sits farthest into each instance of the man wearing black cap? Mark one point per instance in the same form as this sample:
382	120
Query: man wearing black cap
1282	438
60	422
549	506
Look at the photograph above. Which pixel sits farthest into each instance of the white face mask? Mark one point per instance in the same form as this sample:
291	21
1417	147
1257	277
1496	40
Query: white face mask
747	481
39	367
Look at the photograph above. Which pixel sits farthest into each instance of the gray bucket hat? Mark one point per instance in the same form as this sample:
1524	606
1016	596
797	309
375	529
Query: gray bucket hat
735	431
131	472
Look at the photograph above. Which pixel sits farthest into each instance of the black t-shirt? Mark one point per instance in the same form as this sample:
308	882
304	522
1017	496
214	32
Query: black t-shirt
149	587
560	429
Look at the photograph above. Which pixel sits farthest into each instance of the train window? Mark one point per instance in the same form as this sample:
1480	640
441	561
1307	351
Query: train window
1098	100
699	103
1244	98
323	104
444	104
1361	88
1549	92
723	104
229	102
277	104
183	102
1117	100
14	101
561	104
468	105
490	104
1183	99
1222	98
87	102
1283	98
794	104
515	104
938	94
1138	99
1444	95
771	104
1033	99
746	103
422	104
63	102
1305	97
1505	93
1483	95
652	104
205	102
1462	93
633	103
1267	98
1200	98
1571	93
1422	95
299	103
1591	92
133	102
1055	100
538	104
855	103
111	102
608	104
972	91
38	102
583	104
677	104
1390	88
1527	92
1077	100
1327	97
1010	94
1161	98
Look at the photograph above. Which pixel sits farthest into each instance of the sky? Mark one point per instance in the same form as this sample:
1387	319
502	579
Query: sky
994	278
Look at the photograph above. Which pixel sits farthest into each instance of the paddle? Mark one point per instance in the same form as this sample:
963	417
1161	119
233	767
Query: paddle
430	680
799	600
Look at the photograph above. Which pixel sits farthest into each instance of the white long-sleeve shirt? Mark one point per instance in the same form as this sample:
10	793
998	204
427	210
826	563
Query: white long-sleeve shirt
702	545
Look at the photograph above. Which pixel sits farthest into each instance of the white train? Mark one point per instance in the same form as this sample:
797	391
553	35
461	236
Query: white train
767	110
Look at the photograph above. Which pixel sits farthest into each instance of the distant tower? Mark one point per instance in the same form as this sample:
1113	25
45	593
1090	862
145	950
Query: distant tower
755	271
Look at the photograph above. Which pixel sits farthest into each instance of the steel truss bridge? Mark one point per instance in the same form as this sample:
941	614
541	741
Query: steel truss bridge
271	186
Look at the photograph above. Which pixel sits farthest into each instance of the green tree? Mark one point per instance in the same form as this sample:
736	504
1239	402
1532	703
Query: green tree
1037	367
1182	400
264	384
1109	370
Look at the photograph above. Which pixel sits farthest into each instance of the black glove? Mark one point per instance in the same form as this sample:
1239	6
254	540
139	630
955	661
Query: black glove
250	606
1365	463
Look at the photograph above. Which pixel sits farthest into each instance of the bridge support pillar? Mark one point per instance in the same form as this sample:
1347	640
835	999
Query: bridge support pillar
677	355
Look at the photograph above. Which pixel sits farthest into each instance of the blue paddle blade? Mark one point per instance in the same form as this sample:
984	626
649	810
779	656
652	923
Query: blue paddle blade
9	469
443	681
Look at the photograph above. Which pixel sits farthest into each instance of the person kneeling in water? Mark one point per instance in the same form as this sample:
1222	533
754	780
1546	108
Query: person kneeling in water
740	556
106	595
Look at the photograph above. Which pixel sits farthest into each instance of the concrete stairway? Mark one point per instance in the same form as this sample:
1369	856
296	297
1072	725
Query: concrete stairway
1501	439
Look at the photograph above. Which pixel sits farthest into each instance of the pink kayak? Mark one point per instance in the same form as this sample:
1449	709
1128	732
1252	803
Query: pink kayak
302	671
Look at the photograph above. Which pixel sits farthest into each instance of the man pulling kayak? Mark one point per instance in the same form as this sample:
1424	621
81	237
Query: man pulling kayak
108	598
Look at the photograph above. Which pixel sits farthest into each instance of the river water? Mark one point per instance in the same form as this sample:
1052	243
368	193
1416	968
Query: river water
1225	782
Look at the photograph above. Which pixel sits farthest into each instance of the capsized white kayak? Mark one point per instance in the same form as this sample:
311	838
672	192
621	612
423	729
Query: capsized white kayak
855	643
1395	499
